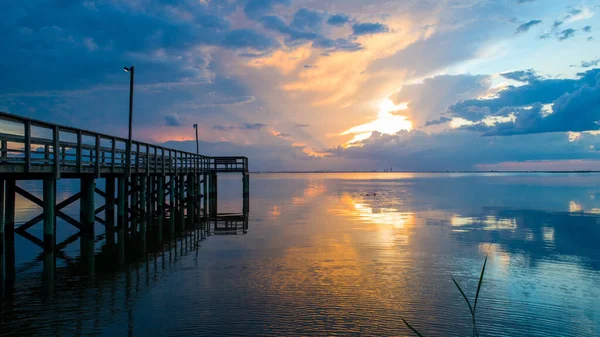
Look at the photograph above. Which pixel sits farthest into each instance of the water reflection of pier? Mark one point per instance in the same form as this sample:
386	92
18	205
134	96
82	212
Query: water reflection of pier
99	285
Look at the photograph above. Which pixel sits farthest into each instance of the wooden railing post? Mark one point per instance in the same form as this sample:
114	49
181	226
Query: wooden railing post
97	156
57	157
79	153
137	157
147	160
175	156
162	152
27	145
113	155
155	170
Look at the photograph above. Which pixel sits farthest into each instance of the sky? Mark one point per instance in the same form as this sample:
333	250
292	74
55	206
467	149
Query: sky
422	85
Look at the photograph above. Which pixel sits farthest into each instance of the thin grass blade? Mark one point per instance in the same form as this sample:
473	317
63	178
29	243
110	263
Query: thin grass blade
411	328
479	285
464	296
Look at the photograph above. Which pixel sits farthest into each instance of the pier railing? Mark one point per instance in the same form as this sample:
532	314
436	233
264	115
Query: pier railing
29	146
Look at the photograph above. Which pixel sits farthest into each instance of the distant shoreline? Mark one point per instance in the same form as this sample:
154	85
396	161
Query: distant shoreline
582	171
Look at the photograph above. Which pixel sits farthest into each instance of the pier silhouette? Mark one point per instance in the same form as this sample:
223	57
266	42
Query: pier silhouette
146	201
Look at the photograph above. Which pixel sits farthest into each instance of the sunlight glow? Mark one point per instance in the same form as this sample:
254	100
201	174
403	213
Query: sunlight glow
386	122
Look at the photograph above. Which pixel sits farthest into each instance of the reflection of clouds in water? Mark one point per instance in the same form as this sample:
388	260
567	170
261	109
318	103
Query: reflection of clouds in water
368	211
575	207
488	222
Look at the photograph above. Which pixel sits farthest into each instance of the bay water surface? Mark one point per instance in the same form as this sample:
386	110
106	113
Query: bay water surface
338	254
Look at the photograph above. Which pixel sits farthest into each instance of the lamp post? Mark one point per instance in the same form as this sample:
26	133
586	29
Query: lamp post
129	70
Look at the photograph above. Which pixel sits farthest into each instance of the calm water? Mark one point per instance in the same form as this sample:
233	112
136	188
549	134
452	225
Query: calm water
324	255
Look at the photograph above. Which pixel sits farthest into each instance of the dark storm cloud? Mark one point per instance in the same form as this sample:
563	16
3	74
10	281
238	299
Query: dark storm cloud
339	19
72	44
463	150
257	8
575	107
307	25
368	28
173	120
526	26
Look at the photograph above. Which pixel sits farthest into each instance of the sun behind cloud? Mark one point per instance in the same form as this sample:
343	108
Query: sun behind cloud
386	123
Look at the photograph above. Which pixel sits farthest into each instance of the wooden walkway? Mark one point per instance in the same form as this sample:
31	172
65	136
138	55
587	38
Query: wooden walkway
155	186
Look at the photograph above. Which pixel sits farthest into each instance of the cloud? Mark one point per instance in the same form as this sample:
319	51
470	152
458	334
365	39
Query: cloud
339	19
162	39
587	29
524	1
432	97
296	125
369	28
590	64
257	8
462	150
556	24
541	106
248	38
243	126
528	75
566	34
307	25
173	120
526	26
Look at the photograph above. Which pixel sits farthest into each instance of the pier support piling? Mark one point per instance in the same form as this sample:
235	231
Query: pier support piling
160	207
191	199
110	211
2	221
213	194
172	206
121	219
246	192
143	206
49	214
181	198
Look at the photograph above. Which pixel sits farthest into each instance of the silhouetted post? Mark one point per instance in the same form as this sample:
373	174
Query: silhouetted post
213	194
121	211
182	201
2	221
246	192
110	211
205	187
49	215
48	274
9	233
191	199
143	204
172	205
135	197
87	214
161	206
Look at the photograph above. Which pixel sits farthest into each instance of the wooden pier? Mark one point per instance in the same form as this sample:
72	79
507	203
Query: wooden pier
162	187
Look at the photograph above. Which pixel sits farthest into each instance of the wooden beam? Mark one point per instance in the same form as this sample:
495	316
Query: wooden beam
30	223
31	238
99	191
68	201
100	209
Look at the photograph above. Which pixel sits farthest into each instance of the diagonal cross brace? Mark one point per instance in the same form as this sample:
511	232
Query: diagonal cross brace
40	203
